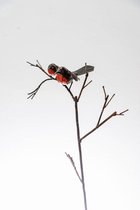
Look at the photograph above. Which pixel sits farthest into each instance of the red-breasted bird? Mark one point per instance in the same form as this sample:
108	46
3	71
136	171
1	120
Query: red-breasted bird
64	76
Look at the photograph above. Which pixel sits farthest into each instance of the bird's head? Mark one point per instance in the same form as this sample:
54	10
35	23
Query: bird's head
52	69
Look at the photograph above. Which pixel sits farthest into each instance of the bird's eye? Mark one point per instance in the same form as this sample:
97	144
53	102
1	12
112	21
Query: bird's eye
53	67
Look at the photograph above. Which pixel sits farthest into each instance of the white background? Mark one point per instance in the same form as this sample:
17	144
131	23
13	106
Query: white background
35	134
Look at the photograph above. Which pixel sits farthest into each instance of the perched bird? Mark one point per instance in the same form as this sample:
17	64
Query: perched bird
52	69
64	76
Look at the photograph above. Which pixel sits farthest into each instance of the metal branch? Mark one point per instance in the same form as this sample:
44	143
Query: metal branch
80	151
104	91
107	97
38	63
70	85
122	113
40	67
106	103
34	92
83	86
104	121
110	99
73	164
87	83
69	92
103	108
84	83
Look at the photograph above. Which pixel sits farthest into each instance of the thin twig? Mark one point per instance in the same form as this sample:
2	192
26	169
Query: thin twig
106	103
110	100
38	63
104	91
103	108
104	121
69	92
107	96
122	113
84	83
96	127
83	86
73	164
40	67
87	83
34	92
70	85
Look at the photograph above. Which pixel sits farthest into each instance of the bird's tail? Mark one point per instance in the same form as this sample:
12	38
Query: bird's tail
85	69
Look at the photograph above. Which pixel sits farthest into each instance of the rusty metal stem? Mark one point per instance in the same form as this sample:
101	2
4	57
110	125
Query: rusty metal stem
80	152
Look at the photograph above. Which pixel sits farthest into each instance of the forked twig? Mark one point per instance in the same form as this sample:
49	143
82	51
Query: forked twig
99	123
106	103
34	92
103	108
104	121
110	99
69	91
40	67
84	84
87	84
